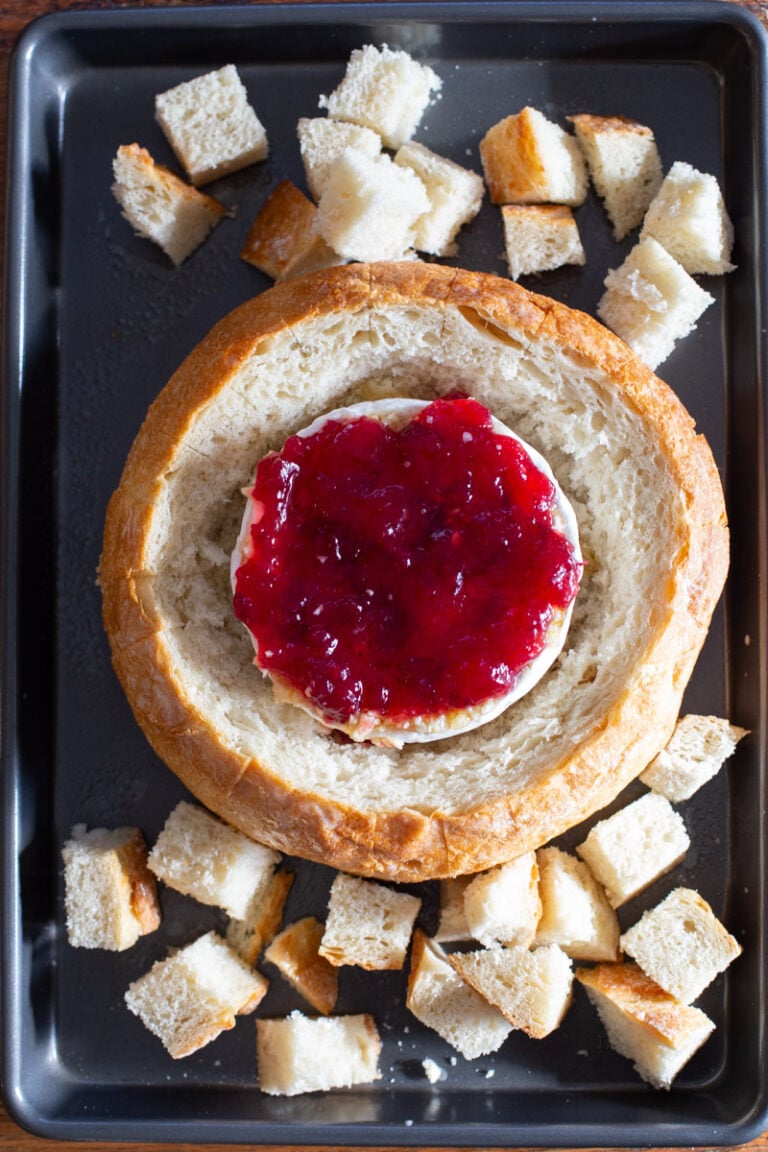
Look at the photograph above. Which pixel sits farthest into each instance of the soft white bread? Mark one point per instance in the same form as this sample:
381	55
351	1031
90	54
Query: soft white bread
699	747
203	857
322	141
110	896
635	846
540	237
383	89
444	1002
211	126
575	912
621	446
455	195
295	952
681	945
624	164
299	1054
688	217
651	301
249	937
282	241
195	994
503	906
368	924
452	924
527	159
530	987
161	207
643	1022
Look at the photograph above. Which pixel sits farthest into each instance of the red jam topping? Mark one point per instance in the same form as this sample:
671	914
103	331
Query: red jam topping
402	571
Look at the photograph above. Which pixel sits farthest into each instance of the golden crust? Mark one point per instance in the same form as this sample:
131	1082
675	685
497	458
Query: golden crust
406	844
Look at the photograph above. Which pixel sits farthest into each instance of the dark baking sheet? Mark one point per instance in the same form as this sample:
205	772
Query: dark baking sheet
95	322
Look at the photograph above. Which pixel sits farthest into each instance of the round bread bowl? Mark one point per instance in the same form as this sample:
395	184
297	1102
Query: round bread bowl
652	523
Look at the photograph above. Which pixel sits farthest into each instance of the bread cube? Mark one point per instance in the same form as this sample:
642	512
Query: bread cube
539	238
383	89
295	951
322	141
575	912
455	195
159	206
211	126
502	906
370	207
624	164
530	987
681	945
699	747
452	923
651	302
368	924
643	1022
298	1054
282	241
188	999
110	896
249	937
201	856
629	850
529	160
689	219
444	1002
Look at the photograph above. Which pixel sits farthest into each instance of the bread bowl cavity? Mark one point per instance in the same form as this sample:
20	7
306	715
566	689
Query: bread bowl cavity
647	498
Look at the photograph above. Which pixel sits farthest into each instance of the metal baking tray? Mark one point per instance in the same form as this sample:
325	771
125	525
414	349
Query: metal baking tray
96	320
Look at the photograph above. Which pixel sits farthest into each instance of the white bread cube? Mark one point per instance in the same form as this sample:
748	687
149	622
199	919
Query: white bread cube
370	207
188	999
211	126
681	945
539	238
282	241
629	850
530	987
699	747
502	906
452	924
383	89
575	912
298	1054
651	302
201	856
644	1023
110	896
624	164
159	206
455	195
249	937
368	924
688	217
528	159
444	1002
296	953
322	141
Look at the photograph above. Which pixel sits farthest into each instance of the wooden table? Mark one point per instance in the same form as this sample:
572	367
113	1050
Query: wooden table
14	16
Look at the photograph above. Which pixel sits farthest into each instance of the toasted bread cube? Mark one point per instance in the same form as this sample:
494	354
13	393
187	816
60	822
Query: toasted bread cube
299	1054
322	141
629	850
110	896
688	217
575	912
681	945
383	89
455	195
282	241
530	987
452	923
191	997
643	1022
699	747
624	164
159	206
368	924
539	238
503	906
211	126
529	160
444	1002
296	952
651	302
201	856
249	937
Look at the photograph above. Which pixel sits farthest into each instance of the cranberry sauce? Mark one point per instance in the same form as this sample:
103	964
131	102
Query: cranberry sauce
402	572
